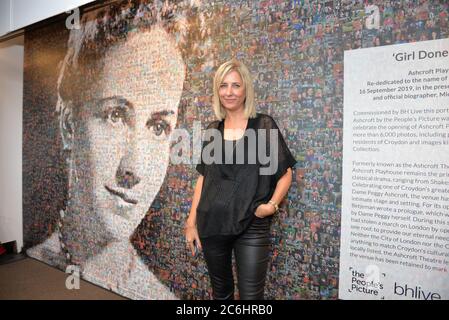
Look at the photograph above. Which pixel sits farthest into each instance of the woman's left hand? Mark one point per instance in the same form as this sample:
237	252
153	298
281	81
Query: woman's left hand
264	210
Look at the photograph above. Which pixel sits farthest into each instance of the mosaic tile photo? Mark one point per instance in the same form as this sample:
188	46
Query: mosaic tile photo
101	103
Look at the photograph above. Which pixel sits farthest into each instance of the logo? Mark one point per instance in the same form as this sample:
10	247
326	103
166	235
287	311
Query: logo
367	282
73	280
415	292
73	20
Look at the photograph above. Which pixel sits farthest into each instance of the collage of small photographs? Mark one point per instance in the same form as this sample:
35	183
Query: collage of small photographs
295	52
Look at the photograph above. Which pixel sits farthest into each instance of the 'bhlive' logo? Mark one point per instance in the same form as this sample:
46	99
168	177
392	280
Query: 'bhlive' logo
416	293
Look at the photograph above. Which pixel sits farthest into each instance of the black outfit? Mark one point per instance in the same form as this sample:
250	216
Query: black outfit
225	214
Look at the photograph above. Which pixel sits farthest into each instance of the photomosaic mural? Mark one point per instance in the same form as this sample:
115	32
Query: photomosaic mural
101	103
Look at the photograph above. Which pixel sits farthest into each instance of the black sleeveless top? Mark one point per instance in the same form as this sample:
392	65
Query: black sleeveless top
231	193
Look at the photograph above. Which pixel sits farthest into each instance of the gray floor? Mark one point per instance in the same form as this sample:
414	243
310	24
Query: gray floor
30	279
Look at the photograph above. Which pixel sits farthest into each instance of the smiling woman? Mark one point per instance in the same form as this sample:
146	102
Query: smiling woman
119	88
234	202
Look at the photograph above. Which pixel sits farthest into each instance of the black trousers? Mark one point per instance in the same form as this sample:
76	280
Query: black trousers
251	249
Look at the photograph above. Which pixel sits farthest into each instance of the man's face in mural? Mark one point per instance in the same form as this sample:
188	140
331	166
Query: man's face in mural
121	147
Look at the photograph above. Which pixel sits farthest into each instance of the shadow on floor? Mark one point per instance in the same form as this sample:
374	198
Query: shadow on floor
11	257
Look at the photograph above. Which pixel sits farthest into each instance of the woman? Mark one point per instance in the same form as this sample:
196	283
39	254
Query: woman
119	88
233	201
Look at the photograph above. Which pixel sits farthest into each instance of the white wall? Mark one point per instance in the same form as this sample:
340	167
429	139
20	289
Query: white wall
11	94
26	12
5	19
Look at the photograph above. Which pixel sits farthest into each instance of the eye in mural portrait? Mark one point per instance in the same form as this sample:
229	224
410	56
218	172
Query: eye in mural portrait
119	89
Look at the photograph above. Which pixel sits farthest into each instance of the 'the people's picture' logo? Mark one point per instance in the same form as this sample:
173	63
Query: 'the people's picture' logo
367	282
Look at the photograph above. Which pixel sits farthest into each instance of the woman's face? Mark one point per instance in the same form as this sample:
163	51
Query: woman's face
232	91
121	137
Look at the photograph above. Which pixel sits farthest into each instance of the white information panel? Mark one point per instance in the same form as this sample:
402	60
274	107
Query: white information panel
395	206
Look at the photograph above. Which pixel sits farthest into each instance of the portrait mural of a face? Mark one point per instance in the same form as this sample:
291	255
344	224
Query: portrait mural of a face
115	131
101	104
130	114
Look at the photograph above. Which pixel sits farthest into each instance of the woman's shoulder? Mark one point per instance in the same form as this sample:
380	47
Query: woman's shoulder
214	124
265	121
263	116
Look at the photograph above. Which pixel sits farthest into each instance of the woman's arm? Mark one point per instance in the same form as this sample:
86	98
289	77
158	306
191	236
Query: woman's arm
282	187
190	226
280	192
191	220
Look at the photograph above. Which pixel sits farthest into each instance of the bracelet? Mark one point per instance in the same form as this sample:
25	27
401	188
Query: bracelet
274	204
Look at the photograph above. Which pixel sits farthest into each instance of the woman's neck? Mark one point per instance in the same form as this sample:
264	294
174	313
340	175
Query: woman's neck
235	124
235	120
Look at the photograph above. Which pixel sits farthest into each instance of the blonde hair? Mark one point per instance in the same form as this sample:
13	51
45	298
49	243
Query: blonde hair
222	71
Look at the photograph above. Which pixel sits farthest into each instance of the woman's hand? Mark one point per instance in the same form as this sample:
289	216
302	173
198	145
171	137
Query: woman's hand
192	238
264	210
